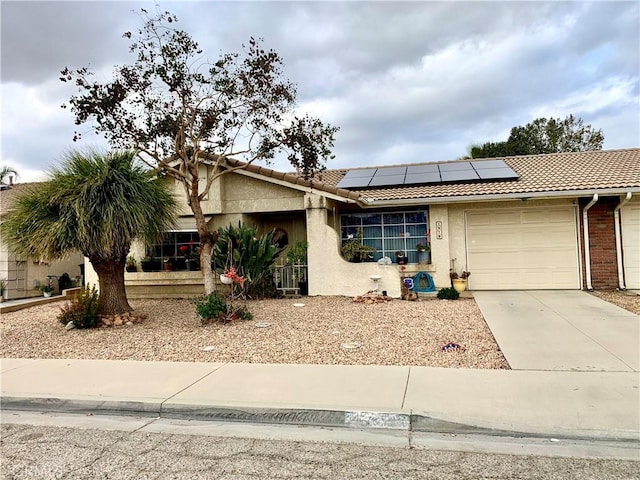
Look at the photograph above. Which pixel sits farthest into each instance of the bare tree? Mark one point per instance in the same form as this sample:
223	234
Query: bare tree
182	112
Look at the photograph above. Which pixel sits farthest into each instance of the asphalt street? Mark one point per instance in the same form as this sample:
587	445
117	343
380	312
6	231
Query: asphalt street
53	446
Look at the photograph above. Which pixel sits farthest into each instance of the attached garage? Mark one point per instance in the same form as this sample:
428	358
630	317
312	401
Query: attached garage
630	220
528	248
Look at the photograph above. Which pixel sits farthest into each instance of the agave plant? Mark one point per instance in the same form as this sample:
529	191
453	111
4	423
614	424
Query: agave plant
250	254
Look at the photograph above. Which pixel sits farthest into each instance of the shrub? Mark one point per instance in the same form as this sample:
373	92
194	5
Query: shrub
298	253
83	310
210	307
214	307
265	288
243	313
448	294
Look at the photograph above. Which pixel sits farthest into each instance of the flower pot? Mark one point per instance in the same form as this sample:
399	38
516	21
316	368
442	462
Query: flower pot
168	267
424	257
460	284
47	294
225	279
192	265
146	266
131	269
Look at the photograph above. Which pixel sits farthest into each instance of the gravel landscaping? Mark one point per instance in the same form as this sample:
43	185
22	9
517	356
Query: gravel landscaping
628	300
391	333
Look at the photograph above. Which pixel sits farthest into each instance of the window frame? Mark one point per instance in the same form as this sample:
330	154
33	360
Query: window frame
391	239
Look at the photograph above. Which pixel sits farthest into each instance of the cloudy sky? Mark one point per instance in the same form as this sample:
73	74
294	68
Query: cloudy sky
405	82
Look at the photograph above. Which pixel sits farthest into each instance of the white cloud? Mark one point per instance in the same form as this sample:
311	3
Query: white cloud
406	80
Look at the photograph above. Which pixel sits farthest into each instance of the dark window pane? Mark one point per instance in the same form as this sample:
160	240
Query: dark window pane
393	218
371	219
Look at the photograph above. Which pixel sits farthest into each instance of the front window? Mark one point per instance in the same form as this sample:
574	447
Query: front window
388	232
176	247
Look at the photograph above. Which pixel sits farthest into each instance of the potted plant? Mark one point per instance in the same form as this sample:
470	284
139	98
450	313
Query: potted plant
130	263
47	290
168	264
459	281
145	263
401	258
193	261
424	252
354	250
3	287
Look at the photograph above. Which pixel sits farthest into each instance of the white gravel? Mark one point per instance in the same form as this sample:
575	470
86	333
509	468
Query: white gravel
393	333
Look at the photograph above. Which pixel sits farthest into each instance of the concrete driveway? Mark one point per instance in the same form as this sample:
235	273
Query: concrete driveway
562	330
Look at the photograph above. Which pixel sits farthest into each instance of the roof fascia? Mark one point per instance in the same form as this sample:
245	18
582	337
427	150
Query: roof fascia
367	203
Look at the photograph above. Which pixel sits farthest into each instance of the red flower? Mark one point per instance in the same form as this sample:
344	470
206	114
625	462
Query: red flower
233	275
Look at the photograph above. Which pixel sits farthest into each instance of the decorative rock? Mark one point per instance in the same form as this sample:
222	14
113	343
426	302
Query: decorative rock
129	323
117	322
70	325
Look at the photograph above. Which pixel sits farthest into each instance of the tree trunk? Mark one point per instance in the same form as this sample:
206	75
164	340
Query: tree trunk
113	296
206	253
207	240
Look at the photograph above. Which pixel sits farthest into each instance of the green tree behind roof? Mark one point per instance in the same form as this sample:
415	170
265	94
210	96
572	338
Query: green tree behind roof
544	135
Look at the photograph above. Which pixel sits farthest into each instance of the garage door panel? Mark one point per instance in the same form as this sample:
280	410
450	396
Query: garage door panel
630	220
523	249
506	218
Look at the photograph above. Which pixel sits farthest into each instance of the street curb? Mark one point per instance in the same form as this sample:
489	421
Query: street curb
408	422
65	405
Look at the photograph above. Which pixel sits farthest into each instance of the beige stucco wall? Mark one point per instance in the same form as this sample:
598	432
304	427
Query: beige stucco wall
243	194
329	273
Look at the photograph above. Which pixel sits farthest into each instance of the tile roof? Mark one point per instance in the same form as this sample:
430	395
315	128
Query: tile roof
8	195
538	174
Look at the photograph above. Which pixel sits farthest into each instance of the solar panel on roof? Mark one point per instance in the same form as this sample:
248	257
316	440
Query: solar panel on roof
391	171
362	172
428	174
356	179
423	177
459	176
386	180
449	167
354	182
484	164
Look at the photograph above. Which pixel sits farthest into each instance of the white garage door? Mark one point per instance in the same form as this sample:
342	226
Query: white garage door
522	249
630	216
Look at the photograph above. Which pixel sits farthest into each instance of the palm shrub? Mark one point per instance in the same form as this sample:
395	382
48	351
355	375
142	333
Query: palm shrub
95	203
252	255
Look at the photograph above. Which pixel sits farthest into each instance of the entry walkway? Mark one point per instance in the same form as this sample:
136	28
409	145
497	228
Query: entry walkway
562	330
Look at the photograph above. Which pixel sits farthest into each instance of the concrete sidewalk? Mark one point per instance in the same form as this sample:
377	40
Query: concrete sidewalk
562	330
598	405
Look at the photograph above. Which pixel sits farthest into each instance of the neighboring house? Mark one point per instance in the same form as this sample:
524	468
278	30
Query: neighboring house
515	223
26	275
